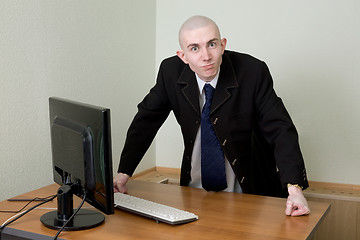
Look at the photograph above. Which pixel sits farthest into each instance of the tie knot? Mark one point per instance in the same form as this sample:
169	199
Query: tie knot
209	91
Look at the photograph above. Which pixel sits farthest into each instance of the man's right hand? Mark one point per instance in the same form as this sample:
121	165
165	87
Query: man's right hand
120	181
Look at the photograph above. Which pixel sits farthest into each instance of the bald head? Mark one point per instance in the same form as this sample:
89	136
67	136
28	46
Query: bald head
201	47
194	23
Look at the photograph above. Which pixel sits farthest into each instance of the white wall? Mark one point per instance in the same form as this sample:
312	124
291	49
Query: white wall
312	50
98	52
86	50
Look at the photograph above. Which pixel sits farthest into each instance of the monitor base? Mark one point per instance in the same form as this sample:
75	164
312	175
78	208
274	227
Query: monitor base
84	219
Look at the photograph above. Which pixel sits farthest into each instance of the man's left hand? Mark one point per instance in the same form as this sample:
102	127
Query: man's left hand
296	204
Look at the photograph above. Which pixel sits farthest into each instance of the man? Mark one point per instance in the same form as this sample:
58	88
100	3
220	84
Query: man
251	126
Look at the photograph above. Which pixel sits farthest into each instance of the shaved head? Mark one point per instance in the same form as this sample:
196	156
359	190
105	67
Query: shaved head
194	23
201	47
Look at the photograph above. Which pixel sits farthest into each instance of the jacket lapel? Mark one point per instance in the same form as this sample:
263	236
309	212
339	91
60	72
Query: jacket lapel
190	88
226	81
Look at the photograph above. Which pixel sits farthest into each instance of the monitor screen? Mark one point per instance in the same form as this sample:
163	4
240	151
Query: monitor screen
82	162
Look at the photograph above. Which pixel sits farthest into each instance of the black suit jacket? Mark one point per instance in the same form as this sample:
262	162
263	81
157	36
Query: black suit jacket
255	130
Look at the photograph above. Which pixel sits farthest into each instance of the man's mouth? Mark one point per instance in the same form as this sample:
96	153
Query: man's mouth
208	66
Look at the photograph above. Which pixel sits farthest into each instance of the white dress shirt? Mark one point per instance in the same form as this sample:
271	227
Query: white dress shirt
232	183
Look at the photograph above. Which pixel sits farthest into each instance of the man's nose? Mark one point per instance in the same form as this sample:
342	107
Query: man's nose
205	54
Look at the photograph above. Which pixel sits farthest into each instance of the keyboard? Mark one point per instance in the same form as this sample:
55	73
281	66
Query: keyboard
156	211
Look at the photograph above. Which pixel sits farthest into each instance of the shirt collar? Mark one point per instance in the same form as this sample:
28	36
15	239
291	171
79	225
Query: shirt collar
202	83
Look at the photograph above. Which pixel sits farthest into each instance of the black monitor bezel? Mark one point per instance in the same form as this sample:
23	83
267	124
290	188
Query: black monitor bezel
60	108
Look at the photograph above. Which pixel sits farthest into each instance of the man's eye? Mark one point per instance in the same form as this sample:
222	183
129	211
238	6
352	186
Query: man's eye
212	44
194	49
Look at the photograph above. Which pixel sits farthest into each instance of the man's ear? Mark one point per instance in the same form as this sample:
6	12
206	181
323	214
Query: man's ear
181	55
223	44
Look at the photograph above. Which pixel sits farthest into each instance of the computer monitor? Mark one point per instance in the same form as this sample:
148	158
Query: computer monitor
82	163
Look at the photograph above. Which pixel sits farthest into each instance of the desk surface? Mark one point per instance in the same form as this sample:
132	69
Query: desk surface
221	216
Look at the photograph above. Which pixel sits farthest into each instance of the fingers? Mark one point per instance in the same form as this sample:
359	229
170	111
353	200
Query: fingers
296	204
116	188
289	208
120	188
300	212
293	209
119	183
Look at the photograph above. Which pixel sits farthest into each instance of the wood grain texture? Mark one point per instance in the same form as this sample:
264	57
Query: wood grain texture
342	222
221	216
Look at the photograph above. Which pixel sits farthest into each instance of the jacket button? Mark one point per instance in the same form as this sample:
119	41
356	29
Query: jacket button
242	180
234	162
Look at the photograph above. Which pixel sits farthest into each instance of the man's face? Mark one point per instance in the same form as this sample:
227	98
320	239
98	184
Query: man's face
202	49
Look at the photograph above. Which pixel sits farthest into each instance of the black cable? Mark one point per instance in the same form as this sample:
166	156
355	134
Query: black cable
72	216
26	199
30	201
27	211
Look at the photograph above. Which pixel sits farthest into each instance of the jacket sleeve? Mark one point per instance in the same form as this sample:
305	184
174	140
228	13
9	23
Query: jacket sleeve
277	128
152	112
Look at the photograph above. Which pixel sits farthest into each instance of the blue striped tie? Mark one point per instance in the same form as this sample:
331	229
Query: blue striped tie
212	157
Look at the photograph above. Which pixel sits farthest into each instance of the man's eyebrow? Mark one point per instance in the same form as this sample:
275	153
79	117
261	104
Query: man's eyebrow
191	45
213	40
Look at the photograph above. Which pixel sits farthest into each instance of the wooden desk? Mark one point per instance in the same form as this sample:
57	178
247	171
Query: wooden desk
221	216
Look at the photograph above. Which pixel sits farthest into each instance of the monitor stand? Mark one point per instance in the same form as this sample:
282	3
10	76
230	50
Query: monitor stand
84	219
